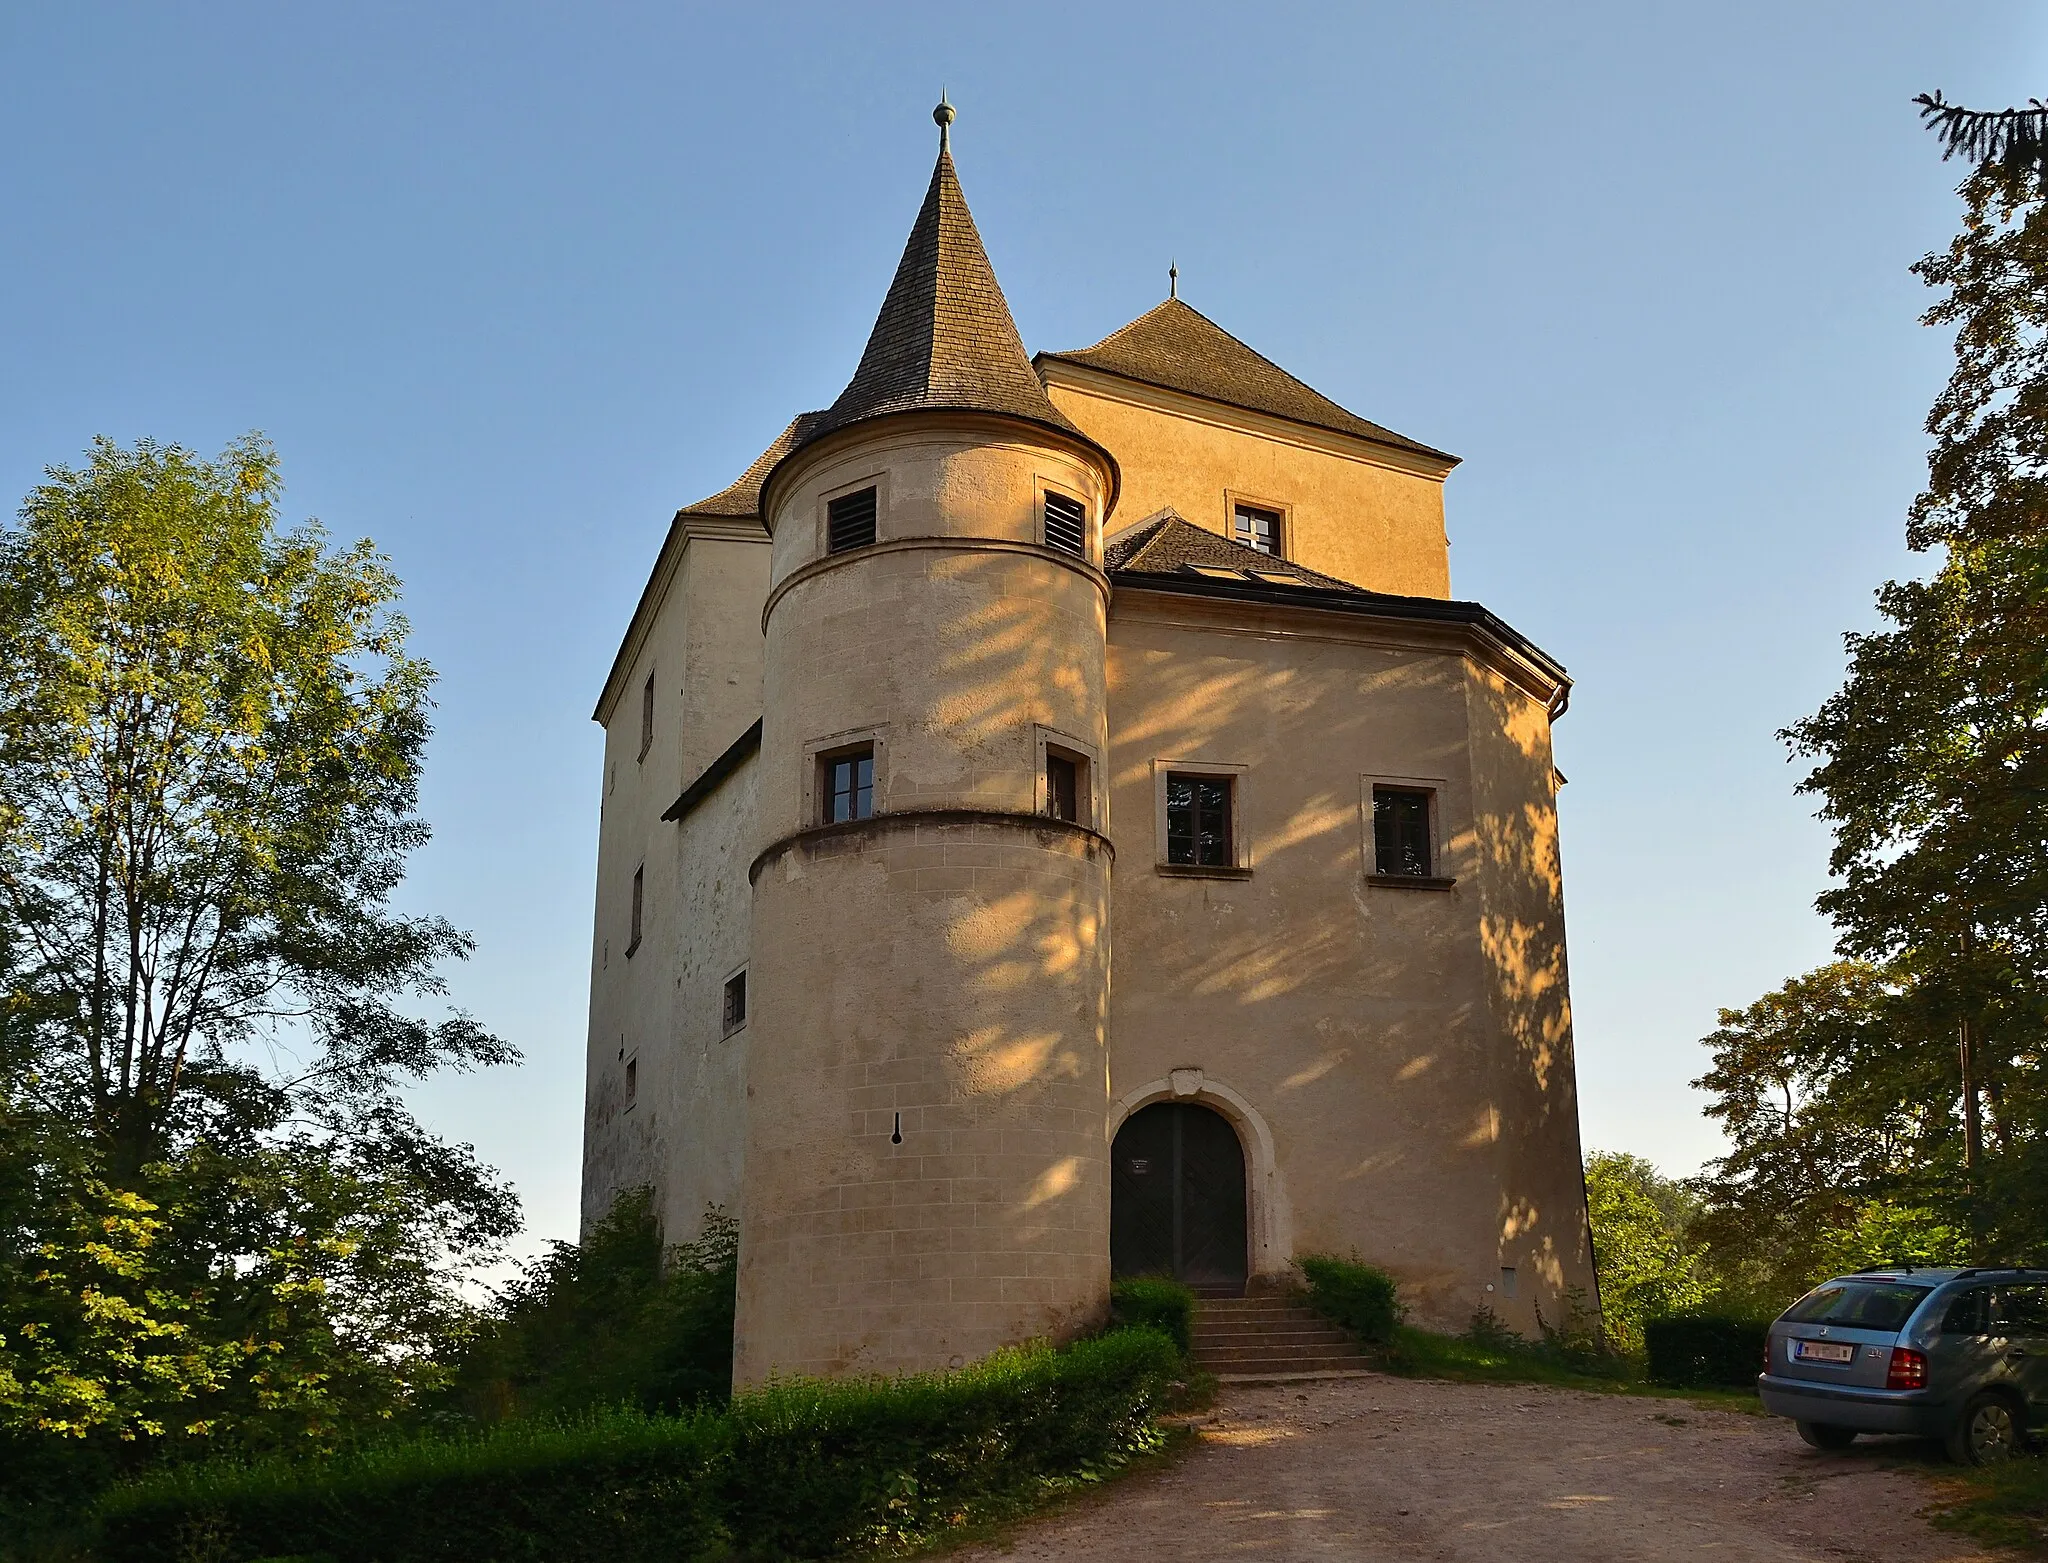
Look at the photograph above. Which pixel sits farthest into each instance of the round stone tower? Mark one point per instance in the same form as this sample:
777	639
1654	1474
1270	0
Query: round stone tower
926	1159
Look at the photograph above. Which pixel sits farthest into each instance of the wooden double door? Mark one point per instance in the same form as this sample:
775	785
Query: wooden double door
1177	1197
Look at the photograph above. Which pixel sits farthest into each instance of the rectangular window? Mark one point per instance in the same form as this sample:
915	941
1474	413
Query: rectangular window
850	521
1258	528
1062	786
632	1080
1507	1280
1066	524
847	785
647	717
1400	832
1198	820
639	888
735	1011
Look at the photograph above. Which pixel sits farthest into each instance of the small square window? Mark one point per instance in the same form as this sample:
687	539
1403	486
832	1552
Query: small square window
850	521
1400	832
1063	783
1198	830
846	785
1257	528
735	1007
647	717
1066	524
639	900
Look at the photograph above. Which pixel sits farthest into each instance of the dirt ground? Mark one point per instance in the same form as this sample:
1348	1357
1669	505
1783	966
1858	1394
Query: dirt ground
1398	1469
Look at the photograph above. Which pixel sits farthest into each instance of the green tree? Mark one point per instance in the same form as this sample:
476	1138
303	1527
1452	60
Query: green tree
1647	1268
1900	1093
218	1220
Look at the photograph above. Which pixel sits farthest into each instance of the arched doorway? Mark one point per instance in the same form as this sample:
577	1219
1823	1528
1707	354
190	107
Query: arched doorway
1176	1197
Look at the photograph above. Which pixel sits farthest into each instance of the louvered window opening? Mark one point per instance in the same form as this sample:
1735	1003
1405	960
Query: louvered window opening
1066	525
850	521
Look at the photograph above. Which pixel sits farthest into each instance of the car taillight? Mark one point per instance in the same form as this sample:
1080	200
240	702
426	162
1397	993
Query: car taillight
1767	1353
1908	1369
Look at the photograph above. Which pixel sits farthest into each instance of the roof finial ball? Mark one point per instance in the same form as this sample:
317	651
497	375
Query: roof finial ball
943	116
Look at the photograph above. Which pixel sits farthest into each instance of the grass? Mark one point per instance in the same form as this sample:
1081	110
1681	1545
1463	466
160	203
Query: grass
2004	1505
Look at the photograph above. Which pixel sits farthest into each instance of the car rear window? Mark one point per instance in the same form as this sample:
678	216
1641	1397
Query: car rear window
1864	1305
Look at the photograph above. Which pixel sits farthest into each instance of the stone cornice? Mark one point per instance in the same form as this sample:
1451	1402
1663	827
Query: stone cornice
1241	420
892	820
965	545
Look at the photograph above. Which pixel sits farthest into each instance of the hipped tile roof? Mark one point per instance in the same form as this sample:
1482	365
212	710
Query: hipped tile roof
742	496
1168	544
1180	349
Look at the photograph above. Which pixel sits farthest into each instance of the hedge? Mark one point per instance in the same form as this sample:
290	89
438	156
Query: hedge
1153	1302
1362	1299
798	1469
1704	1350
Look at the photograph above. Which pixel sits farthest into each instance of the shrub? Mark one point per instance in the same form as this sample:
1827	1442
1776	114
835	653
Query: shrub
798	1469
1362	1299
1154	1302
1704	1350
615	1321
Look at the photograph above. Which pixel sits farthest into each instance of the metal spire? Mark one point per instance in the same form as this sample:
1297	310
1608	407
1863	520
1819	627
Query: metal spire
943	116
1172	279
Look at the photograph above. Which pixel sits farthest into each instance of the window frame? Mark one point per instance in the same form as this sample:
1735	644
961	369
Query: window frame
1089	808
727	1026
646	718
636	916
818	752
1087	551
879	482
1240	864
1434	788
630	1081
1283	514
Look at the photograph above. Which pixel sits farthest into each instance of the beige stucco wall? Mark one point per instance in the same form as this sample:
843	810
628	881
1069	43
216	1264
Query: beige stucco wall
1404	1052
1370	515
945	978
660	1006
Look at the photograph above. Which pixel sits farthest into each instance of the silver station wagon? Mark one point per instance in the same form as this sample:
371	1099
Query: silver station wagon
1959	1355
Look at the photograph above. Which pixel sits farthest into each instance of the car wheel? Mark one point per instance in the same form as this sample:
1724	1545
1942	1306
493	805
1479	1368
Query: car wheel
1986	1433
1821	1436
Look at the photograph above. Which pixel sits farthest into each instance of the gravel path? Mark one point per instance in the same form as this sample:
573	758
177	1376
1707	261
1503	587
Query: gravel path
1397	1469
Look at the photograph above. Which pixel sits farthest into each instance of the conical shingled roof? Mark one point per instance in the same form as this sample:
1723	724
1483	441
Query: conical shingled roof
944	339
1179	348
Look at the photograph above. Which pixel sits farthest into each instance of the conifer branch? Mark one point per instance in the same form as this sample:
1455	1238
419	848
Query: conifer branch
2015	139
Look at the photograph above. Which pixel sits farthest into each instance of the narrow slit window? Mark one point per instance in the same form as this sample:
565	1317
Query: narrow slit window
735	1007
1063	786
647	717
847	785
1198	832
1400	832
632	1081
1257	528
850	521
639	899
1066	525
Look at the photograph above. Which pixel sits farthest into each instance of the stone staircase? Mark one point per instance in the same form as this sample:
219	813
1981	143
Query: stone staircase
1267	1337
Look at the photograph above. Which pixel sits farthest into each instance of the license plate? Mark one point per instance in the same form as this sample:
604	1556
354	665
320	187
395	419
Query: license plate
1822	1351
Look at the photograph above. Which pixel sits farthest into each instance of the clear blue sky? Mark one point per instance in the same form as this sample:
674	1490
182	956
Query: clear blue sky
507	283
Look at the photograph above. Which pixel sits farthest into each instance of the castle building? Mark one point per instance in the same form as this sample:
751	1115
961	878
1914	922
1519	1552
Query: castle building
1058	823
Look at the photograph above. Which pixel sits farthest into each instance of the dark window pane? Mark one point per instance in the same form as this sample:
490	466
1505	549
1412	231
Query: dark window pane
1866	1305
1258	529
1965	1315
735	1001
1062	788
1400	832
1198	821
2019	1310
850	787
